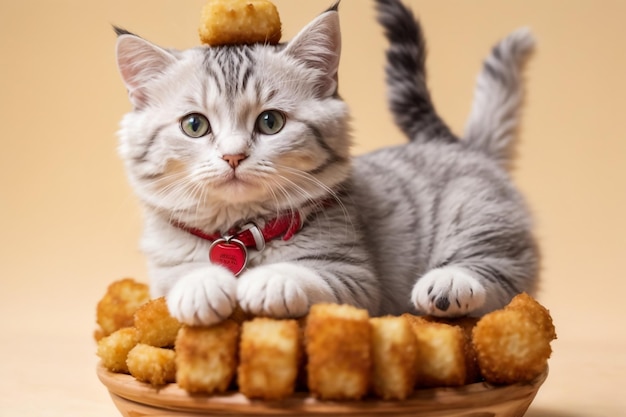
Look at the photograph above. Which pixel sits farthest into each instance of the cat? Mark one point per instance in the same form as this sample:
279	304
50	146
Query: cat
254	140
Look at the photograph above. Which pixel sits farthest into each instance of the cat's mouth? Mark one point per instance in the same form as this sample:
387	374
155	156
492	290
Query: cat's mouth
234	179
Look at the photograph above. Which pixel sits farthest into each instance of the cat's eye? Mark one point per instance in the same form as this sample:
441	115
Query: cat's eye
270	122
195	125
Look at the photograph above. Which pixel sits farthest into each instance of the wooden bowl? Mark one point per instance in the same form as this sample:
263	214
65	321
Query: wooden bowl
137	399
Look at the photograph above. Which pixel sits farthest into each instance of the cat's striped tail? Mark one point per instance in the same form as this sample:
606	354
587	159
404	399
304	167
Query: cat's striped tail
494	118
409	98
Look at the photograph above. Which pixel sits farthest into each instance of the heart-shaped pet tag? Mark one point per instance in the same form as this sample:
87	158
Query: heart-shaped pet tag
230	253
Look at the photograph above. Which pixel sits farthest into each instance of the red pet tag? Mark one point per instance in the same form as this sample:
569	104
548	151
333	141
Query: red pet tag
230	253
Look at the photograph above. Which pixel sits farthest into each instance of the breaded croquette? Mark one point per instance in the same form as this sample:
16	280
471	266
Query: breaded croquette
537	312
155	326
206	357
466	324
512	345
113	349
441	352
337	341
116	309
228	22
269	354
151	364
394	355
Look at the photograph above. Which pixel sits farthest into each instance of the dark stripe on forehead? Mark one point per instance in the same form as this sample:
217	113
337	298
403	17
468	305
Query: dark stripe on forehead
215	75
246	76
231	67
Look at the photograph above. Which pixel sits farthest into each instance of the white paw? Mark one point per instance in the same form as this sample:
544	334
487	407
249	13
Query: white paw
448	292
203	297
281	290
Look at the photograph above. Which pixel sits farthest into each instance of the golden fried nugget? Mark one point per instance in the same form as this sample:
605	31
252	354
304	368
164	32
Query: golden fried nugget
152	364
510	346
416	320
98	334
337	341
537	312
466	324
155	326
394	356
441	352
206	357
269	354
116	309
228	22
113	349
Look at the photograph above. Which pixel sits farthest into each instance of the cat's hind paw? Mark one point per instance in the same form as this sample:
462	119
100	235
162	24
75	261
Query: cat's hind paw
203	297
448	292
281	290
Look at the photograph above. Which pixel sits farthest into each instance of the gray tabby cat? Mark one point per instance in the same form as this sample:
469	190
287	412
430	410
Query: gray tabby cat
248	146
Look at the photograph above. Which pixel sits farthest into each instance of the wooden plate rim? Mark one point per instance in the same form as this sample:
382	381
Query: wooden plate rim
174	398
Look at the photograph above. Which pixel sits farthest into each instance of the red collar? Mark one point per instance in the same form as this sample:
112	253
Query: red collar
286	225
230	250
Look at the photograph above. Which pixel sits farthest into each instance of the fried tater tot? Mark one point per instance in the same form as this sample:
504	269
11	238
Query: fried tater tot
537	312
512	345
155	326
466	324
117	308
269	354
441	351
206	357
227	22
338	347
113	349
394	356
151	364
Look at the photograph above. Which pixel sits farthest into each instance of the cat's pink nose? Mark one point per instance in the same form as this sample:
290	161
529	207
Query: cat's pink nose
234	160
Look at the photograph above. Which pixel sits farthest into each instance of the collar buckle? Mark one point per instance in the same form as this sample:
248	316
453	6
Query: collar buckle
257	235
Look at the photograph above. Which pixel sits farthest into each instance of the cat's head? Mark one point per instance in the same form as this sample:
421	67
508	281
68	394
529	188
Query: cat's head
255	127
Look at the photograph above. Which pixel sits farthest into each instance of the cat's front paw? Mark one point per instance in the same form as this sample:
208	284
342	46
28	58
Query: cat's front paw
281	290
203	297
448	292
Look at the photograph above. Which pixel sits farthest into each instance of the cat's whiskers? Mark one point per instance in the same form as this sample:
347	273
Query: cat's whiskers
292	187
319	205
171	189
311	179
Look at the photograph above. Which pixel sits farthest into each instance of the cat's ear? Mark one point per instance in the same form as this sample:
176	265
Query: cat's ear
139	61
318	46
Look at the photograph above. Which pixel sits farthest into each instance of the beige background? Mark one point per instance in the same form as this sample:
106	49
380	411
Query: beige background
69	223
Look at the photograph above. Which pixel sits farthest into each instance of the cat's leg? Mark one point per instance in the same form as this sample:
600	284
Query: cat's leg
282	290
196	293
473	286
289	289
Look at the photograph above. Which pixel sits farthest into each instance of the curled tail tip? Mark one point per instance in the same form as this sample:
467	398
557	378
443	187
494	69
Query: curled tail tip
397	20
499	95
521	43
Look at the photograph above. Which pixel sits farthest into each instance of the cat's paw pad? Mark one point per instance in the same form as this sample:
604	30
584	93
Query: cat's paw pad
281	290
448	292
203	297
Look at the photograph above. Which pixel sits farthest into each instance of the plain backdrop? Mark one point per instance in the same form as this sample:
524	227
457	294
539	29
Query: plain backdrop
69	223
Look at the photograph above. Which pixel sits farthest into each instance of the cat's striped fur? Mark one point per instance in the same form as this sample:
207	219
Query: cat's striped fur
434	225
